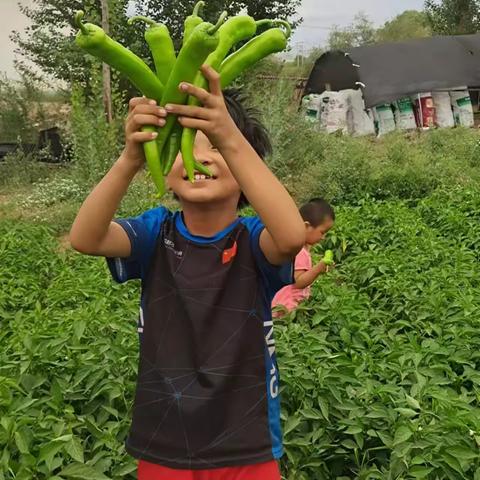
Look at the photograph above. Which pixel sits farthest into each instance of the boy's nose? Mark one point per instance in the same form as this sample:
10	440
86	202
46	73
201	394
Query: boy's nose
202	157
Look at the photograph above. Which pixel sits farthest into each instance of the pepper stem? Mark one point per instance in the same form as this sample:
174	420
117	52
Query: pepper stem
197	7
141	18
267	21
287	26
219	23
78	22
276	23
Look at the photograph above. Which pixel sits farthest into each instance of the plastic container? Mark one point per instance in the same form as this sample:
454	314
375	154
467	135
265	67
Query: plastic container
424	110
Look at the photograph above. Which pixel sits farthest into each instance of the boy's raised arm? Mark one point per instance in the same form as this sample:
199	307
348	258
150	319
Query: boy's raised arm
93	231
284	233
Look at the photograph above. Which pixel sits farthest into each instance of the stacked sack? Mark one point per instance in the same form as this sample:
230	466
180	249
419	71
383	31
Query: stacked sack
345	111
462	107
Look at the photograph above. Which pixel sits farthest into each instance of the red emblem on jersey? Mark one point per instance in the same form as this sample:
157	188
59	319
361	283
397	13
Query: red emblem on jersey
229	254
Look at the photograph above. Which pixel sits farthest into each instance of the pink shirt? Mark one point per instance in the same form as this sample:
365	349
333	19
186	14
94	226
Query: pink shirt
289	296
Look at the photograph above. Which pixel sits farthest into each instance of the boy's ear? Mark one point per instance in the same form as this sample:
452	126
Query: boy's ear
308	224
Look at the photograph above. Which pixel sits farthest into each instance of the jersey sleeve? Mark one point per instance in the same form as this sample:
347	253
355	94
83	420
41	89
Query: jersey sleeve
274	276
143	232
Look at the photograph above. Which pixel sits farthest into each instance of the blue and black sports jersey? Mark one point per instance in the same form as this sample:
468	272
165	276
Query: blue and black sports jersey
208	386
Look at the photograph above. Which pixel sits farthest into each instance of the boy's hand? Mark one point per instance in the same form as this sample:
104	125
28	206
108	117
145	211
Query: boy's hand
212	118
142	111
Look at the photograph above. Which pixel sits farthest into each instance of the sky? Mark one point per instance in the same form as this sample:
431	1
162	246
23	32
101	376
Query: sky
319	16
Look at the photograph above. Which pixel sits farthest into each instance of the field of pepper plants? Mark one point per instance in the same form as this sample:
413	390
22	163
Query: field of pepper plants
379	368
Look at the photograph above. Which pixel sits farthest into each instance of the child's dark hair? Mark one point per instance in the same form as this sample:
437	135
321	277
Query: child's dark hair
316	211
247	120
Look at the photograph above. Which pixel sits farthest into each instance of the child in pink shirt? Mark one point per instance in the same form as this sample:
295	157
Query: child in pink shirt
319	218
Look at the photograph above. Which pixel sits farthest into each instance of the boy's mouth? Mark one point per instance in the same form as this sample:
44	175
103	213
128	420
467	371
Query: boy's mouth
200	176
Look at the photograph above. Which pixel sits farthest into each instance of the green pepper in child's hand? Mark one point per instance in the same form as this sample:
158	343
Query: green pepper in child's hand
161	45
202	41
192	21
234	30
271	41
328	258
95	41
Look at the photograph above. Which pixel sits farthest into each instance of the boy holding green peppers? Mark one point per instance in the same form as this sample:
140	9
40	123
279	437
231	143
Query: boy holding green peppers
207	398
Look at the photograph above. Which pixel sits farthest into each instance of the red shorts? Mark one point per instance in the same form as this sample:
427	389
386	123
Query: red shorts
261	471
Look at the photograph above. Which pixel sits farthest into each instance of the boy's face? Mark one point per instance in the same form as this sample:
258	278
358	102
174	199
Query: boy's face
315	235
221	187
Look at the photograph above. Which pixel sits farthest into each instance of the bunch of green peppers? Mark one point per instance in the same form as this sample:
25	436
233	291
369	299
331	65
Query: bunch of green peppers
203	43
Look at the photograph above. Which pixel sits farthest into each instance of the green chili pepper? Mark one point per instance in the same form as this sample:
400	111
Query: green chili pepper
231	32
160	43
172	148
271	41
200	168
95	41
154	163
328	258
203	40
192	21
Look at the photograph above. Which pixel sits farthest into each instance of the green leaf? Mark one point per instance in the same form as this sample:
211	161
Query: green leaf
323	407
406	412
353	429
48	451
79	328
63	438
452	462
349	444
420	472
311	414
412	402
31	382
125	469
75	449
21	442
402	434
463	453
82	472
292	423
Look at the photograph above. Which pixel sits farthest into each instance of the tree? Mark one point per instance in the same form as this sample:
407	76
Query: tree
21	110
407	25
360	32
49	41
453	17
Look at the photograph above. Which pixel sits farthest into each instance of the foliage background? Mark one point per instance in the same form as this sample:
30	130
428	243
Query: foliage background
379	368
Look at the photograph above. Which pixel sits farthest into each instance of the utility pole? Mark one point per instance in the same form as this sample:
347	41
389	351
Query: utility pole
107	79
